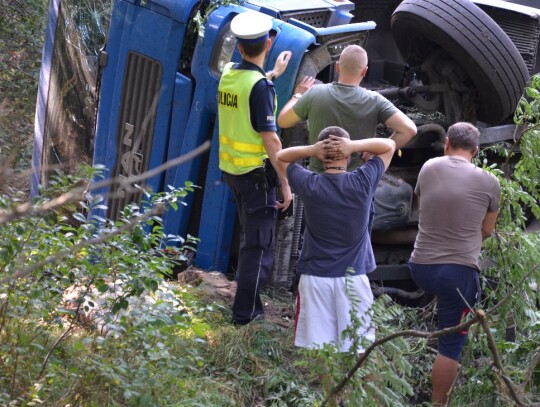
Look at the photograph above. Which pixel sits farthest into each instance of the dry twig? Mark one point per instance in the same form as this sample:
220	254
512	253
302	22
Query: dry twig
154	211
77	194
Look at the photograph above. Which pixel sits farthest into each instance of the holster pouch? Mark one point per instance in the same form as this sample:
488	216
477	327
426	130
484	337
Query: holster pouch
259	179
270	174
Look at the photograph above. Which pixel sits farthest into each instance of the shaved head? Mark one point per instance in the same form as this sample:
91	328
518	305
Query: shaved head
353	60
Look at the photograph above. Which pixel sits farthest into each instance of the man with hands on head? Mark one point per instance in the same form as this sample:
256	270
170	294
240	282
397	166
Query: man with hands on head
337	243
248	144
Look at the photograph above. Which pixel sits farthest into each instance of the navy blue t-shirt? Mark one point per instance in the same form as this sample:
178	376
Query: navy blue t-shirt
337	210
261	100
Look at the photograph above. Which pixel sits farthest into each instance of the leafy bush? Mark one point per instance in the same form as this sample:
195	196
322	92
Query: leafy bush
123	336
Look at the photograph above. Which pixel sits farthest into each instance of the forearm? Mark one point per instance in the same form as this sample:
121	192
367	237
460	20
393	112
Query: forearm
488	224
376	146
401	138
293	154
287	117
404	129
281	64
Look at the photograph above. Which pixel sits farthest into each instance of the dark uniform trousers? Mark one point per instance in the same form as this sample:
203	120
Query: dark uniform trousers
256	204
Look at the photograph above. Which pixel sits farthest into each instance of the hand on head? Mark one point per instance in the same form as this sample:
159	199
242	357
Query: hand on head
335	148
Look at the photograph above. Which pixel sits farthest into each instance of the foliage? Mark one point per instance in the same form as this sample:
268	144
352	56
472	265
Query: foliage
200	19
100	326
97	325
21	39
22	26
195	29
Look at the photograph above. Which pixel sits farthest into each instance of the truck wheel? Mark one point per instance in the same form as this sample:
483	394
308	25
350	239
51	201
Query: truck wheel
471	38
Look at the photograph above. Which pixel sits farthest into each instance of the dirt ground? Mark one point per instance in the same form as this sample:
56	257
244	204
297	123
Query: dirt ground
215	287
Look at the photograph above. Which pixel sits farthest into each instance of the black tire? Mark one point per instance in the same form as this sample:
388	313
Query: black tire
474	40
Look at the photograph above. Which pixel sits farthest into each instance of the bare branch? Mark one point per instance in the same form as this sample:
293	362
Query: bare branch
156	210
531	369
77	194
410	332
496	359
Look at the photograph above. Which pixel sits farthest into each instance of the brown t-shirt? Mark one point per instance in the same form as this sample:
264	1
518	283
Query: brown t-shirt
454	197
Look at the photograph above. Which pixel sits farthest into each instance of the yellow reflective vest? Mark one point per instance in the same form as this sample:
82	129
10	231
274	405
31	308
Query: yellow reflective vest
241	149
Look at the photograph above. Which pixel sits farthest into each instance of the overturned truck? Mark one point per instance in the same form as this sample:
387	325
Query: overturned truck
133	85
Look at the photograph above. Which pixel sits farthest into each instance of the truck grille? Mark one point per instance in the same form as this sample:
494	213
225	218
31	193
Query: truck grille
524	33
315	18
336	43
135	131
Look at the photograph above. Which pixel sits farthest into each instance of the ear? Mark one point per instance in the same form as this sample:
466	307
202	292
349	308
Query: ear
268	44
475	151
364	72
240	48
446	145
337	67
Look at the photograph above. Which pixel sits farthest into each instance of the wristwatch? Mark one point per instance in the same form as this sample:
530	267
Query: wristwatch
297	95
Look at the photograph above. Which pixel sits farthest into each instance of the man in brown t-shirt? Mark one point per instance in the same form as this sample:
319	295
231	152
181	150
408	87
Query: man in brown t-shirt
458	207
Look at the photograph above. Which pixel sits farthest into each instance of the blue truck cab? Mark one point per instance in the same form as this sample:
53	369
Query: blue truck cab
157	99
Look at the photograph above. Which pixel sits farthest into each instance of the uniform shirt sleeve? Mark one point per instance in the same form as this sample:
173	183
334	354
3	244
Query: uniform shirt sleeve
261	106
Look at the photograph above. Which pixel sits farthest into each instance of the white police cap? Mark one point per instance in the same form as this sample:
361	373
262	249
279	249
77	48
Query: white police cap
251	26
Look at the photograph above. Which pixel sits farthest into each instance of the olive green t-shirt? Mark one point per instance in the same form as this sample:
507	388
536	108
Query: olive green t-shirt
353	108
454	196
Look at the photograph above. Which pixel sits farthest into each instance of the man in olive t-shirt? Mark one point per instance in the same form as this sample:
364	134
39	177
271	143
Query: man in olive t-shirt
458	207
345	104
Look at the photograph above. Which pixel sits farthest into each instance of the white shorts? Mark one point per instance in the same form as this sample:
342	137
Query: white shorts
323	311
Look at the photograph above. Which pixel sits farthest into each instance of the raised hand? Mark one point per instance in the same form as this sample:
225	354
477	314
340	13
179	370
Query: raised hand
281	63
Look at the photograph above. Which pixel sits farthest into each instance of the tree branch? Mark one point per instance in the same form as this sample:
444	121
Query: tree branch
479	316
77	194
531	369
410	332
156	210
496	359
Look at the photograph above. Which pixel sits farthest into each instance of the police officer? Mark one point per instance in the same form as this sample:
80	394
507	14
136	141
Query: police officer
247	141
